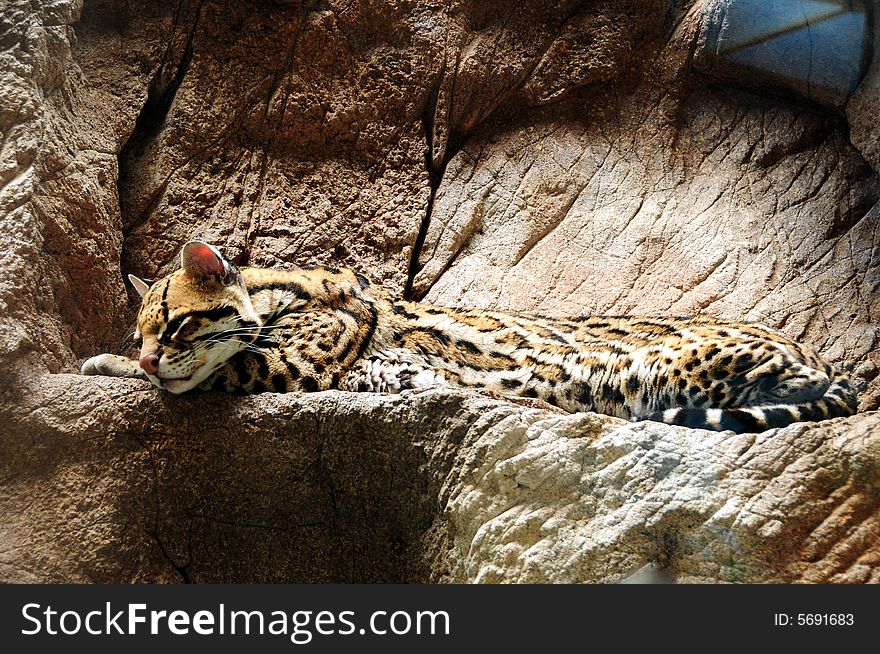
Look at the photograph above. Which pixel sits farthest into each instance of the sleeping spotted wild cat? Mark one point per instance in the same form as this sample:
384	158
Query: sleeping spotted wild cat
210	325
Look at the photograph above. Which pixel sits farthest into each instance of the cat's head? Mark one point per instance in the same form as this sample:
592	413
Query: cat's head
192	321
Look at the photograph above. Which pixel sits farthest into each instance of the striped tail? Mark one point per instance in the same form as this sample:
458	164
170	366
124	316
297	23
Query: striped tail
839	400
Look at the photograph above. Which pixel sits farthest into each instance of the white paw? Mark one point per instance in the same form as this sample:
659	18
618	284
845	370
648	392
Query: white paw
427	378
112	365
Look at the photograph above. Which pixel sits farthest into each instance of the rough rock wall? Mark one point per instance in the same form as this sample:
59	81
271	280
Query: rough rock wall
560	157
563	157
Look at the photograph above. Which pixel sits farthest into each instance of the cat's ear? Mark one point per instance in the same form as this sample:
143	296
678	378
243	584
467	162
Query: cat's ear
204	262
141	285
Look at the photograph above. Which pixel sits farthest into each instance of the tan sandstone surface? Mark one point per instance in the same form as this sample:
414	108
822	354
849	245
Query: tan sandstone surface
565	158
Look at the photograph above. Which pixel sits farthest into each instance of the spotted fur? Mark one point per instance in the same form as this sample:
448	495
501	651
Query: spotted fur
311	329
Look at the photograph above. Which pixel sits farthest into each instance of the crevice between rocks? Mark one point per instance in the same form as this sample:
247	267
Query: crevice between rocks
153	529
160	96
414	267
435	176
181	571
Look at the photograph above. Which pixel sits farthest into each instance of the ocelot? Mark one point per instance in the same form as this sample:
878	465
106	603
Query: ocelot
210	325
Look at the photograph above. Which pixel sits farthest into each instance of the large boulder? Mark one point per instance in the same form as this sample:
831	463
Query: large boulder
109	480
564	158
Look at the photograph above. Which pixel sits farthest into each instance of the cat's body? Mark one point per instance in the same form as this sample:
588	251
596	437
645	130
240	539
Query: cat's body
209	326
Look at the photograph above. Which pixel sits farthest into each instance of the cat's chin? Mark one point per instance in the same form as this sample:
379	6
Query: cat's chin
176	386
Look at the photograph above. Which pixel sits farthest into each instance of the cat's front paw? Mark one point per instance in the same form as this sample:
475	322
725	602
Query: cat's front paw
112	365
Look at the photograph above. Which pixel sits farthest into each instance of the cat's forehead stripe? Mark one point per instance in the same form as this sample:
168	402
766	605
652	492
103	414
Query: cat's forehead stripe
164	303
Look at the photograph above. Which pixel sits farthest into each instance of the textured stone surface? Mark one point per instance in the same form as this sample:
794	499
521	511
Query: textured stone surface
314	153
112	480
563	158
581	498
108	480
70	100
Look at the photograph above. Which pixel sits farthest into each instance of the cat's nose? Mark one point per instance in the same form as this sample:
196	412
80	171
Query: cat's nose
150	363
